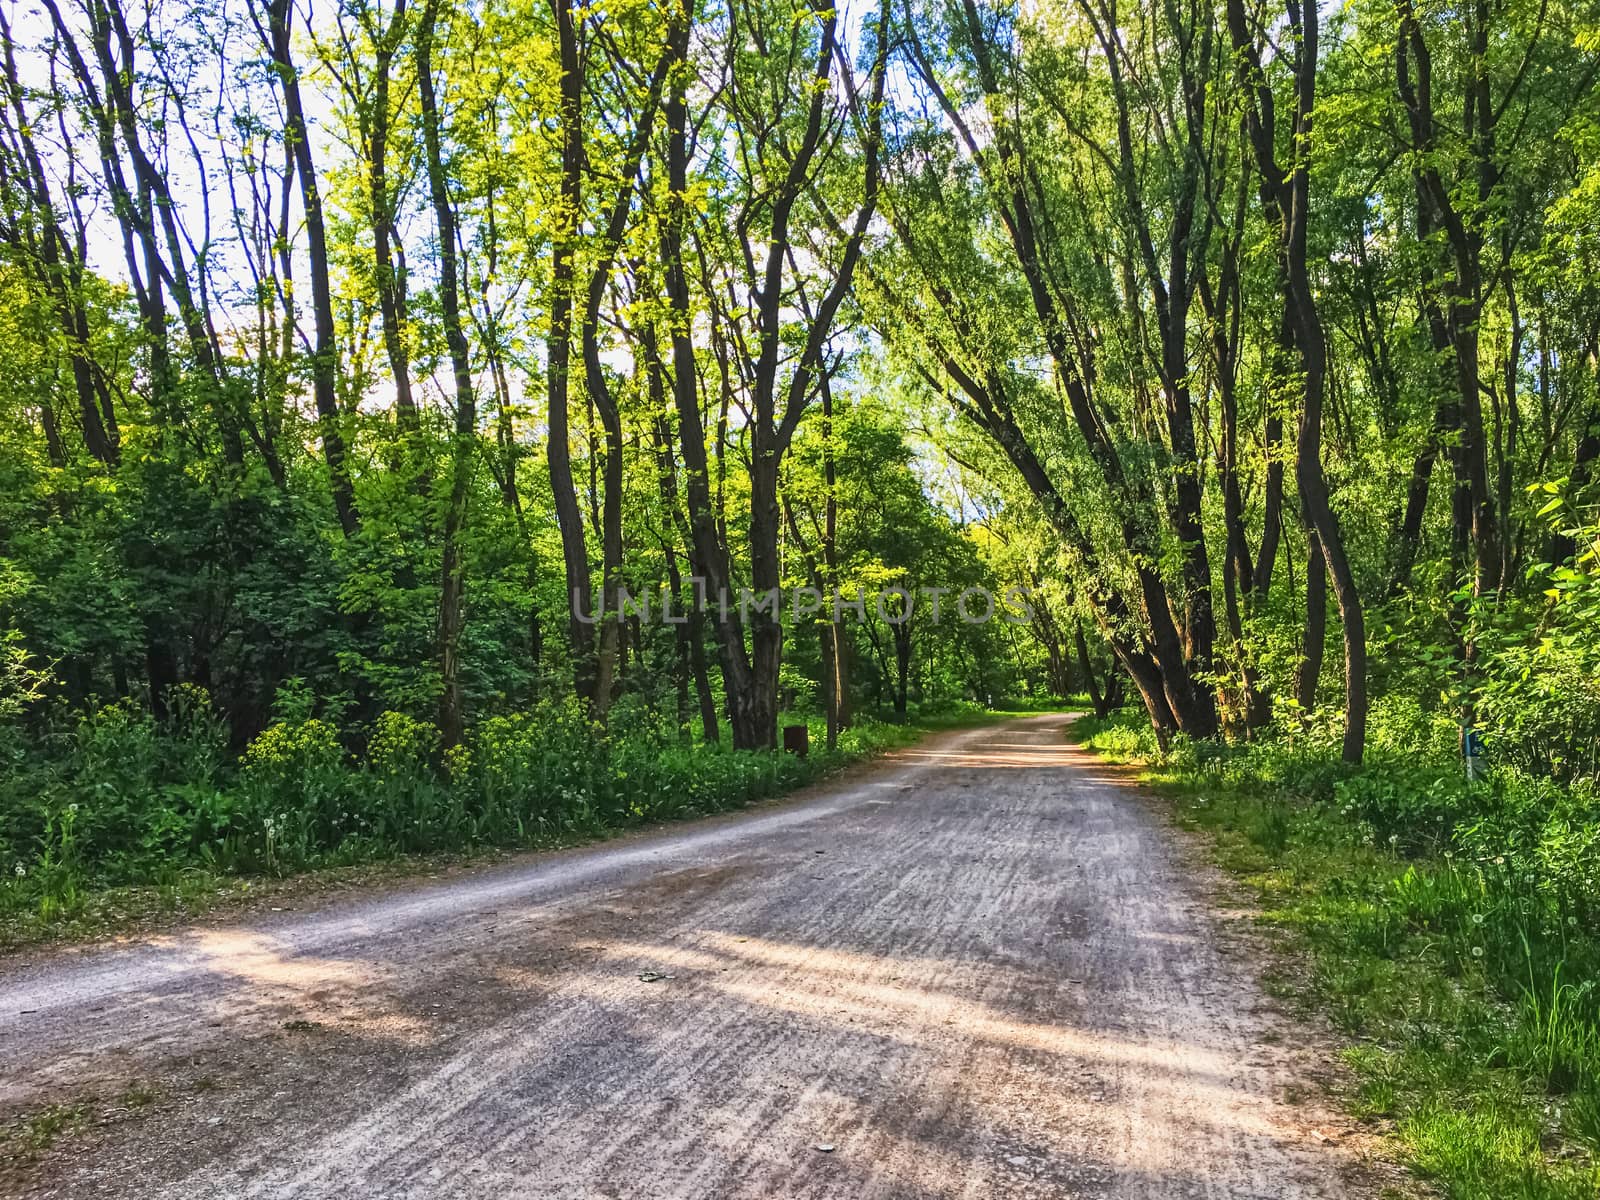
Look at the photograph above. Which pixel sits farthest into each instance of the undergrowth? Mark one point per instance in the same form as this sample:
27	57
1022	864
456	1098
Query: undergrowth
127	817
1450	930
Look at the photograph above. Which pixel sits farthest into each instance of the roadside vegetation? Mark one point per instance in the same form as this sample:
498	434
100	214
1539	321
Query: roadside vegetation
131	820
1450	929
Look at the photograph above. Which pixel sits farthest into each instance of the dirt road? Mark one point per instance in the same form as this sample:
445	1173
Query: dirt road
981	969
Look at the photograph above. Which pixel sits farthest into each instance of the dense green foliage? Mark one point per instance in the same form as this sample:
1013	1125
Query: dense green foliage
339	376
125	802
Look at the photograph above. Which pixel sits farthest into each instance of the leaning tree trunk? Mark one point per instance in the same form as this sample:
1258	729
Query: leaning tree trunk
1292	194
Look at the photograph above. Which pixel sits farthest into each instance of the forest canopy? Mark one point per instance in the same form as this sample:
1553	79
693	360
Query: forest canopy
355	355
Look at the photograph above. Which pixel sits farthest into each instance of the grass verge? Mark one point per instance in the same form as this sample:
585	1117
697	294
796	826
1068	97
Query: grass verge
1469	1023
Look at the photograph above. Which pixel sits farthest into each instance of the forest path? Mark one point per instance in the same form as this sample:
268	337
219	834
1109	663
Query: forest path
984	967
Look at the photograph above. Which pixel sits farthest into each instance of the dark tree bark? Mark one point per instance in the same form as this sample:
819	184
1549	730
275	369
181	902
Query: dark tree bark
901	633
1271	502
452	586
1172	286
691	632
1086	668
1508	436
755	711
1300	305
1224	310
707	546
388	258
776	407
1309	669
1058	667
599	389
988	407
836	647
1463	302
574	549
325	355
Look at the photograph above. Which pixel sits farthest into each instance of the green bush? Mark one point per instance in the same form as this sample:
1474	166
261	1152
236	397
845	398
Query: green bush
130	802
1413	809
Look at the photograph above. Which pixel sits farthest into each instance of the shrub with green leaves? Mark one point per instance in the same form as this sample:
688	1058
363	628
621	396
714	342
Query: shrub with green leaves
129	801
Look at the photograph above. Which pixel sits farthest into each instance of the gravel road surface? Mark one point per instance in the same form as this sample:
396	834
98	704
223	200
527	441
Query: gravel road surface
984	967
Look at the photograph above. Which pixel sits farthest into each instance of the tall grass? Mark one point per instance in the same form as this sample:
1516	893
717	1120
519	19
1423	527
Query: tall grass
1453	933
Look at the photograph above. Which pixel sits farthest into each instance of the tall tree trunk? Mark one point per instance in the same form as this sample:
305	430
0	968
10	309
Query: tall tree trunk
902	668
1300	305
325	356
1272	447
52	259
1171	286
574	550
153	244
1508	436
1309	669
752	686
452	587
692	607
1463	306
388	261
1408	538
754	711
836	658
707	546
1224	311
511	497
599	392
1086	669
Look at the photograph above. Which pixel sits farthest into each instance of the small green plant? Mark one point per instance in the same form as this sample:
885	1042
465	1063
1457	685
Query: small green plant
34	1134
1581	1118
1270	829
1555	1037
